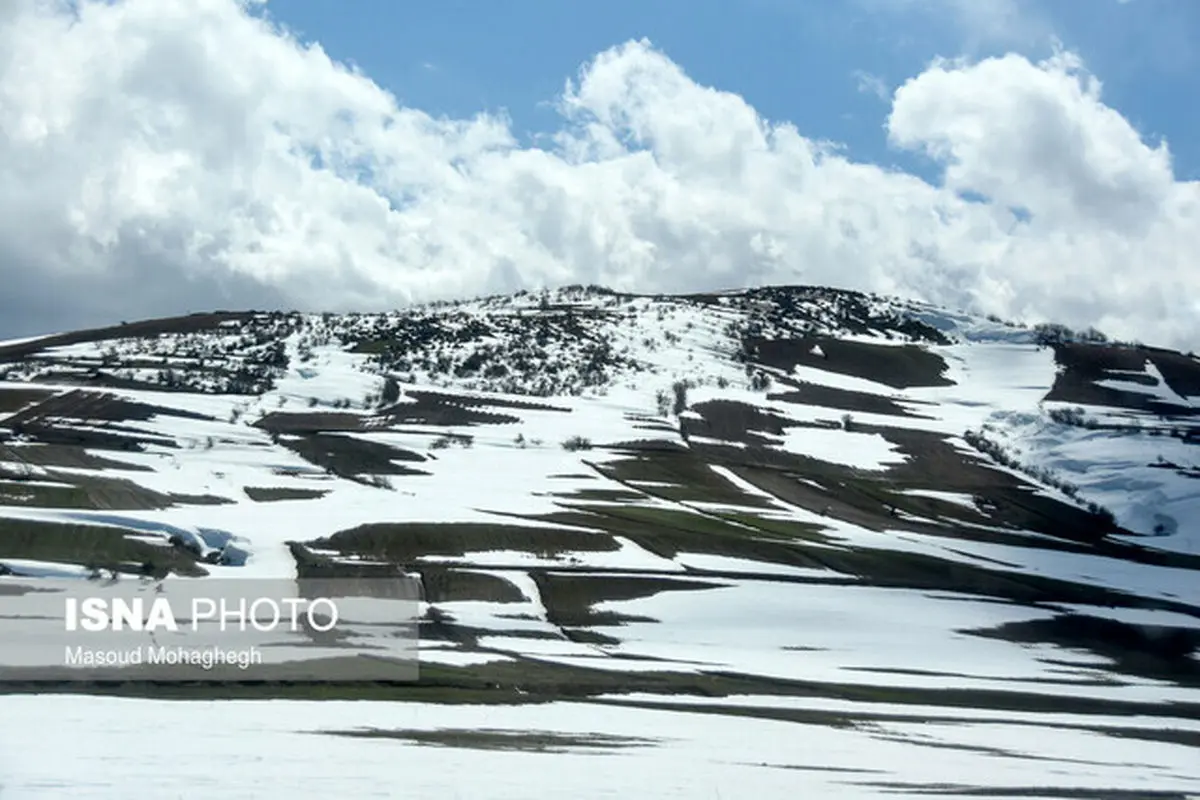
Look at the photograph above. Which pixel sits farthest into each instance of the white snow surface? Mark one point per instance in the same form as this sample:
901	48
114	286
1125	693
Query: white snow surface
756	617
247	749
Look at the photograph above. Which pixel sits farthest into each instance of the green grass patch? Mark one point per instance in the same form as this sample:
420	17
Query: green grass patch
505	740
14	400
349	457
452	584
668	533
815	394
603	495
405	543
91	546
783	528
93	492
686	476
531	681
1157	652
898	366
60	455
570	599
268	494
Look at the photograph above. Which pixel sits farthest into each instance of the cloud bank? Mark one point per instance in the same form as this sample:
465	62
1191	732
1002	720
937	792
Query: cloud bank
158	157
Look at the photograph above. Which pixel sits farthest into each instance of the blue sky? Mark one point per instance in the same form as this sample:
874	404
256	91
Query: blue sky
998	156
803	61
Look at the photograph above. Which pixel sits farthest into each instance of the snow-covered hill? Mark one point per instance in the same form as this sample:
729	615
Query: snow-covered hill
854	534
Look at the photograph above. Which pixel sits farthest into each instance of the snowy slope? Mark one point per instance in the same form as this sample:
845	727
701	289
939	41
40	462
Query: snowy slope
724	523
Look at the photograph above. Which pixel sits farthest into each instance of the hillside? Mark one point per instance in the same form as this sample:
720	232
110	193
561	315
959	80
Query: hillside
878	542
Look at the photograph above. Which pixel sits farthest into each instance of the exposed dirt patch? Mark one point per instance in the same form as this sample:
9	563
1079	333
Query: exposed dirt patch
405	543
452	584
73	457
1156	652
603	495
504	740
105	548
680	474
932	461
866	502
349	457
431	408
734	421
525	681
1181	372
1000	499
648	446
14	400
194	323
82	405
814	394
199	500
840	499
310	566
771	527
1084	364
89	420
570	598
283	422
65	434
669	533
93	492
268	494
898	366
470	401
100	380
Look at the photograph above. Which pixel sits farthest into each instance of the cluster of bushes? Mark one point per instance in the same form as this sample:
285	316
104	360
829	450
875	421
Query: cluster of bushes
760	380
245	362
796	312
556	352
390	393
576	443
679	389
662	401
449	440
379	482
1189	435
1048	334
1076	417
1008	323
1051	333
520	441
997	452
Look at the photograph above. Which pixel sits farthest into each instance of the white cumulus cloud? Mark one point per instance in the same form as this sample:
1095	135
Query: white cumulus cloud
157	157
